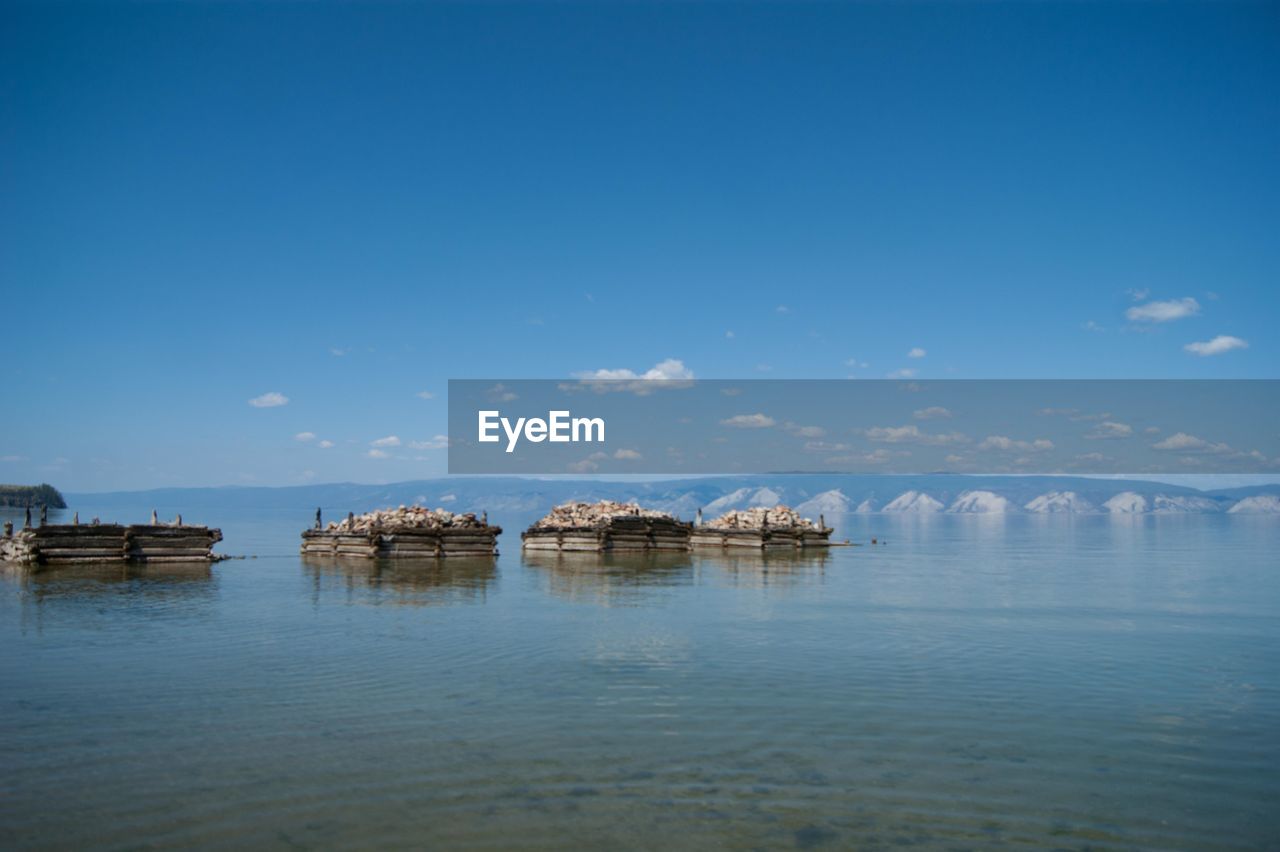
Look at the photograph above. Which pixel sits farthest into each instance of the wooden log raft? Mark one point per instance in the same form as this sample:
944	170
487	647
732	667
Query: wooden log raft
69	543
619	533
767	538
403	543
762	529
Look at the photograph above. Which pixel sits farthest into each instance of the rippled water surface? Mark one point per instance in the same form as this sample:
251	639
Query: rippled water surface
974	683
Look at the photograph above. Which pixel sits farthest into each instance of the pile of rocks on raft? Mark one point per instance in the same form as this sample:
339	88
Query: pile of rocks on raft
580	514
407	517
759	517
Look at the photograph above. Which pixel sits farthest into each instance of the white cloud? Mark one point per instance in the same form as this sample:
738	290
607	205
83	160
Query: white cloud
12	458
425	395
377	454
916	352
825	447
855	364
337	352
749	421
931	413
1109	429
911	434
782	309
672	373
439	442
1166	311
904	373
389	441
729	335
588	464
271	399
627	455
305	437
803	431
1184	443
324	445
1138	294
502	393
1001	442
1091	325
1221	343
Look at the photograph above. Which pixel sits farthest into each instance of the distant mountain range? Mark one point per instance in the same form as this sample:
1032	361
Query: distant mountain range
811	494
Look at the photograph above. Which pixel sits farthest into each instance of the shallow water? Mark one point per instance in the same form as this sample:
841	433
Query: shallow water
1070	682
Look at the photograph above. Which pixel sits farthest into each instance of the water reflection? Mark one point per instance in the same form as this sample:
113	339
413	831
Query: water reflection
95	580
761	568
416	582
610	579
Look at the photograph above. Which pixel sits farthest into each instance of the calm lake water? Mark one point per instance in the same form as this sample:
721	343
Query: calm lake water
978	682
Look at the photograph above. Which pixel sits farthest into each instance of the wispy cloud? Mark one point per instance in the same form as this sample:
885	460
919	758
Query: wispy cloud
912	434
627	455
425	394
1109	429
1001	442
749	421
933	412
325	445
378	454
903	373
305	437
1221	343
271	399
13	458
803	431
438	442
1181	442
389	441
782	309
916	352
1166	311
502	393
338	352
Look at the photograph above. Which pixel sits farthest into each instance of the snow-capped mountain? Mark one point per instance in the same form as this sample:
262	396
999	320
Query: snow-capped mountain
1064	502
913	502
827	503
981	502
1166	505
1260	504
1126	503
743	498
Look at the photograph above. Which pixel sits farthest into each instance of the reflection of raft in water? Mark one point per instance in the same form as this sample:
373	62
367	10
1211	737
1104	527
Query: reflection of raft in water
71	543
606	526
425	582
762	529
413	532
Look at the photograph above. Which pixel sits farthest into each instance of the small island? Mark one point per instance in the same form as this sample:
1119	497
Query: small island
43	494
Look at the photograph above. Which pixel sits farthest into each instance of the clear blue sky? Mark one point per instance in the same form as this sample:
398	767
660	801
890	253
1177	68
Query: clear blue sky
347	206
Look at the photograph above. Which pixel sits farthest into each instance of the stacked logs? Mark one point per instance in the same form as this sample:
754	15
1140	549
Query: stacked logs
780	526
69	543
404	532
606	526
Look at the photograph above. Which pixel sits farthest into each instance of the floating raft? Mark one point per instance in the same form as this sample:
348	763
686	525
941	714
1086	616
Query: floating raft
404	533
70	543
606	526
762	529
